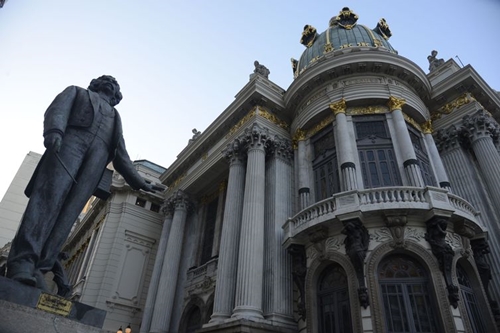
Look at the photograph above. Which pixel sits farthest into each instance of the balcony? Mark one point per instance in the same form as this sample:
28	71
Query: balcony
421	202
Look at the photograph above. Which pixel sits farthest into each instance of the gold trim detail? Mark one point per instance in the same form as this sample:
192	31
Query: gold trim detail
357	111
241	122
427	127
204	156
322	124
455	104
257	111
412	121
272	118
222	186
395	103
178	180
338	107
54	304
328	48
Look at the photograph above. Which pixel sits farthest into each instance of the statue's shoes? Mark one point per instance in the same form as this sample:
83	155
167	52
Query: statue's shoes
23	277
22	271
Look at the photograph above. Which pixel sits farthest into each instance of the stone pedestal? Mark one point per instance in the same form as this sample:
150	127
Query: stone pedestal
27	309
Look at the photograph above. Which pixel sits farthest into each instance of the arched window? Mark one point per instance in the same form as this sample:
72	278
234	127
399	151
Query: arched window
193	320
333	301
406	296
325	167
470	301
376	153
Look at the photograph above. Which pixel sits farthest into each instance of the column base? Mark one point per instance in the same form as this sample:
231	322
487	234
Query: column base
244	326
247	312
218	318
277	319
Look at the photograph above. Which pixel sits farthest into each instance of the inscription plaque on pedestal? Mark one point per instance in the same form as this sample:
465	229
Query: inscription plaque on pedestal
54	304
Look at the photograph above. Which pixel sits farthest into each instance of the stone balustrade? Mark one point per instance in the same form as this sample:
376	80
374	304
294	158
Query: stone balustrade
357	203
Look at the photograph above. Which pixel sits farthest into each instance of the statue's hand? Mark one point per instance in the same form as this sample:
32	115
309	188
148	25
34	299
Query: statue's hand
152	188
53	141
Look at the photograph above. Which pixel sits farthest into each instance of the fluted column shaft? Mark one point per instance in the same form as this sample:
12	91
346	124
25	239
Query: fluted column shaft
228	254
303	172
405	146
346	147
436	161
167	287
157	269
251	255
278	288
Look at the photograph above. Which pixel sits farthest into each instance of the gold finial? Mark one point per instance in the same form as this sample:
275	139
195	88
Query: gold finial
427	127
338	107
395	103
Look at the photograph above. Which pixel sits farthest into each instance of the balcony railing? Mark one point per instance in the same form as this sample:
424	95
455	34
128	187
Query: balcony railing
385	198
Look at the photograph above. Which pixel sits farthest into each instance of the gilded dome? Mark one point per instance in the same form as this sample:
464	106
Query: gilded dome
343	32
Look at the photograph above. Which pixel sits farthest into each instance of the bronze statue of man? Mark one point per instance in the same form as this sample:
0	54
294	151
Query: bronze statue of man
82	134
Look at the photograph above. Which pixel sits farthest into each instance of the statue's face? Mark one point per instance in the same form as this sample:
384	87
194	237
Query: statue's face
108	85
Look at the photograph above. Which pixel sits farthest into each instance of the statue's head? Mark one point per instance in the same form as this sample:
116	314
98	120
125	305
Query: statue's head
100	84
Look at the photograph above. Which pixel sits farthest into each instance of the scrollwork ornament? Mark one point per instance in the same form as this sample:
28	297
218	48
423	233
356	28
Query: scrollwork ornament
436	236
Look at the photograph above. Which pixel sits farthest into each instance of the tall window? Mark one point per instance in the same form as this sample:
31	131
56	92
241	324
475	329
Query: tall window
376	153
422	157
470	301
208	235
325	167
333	301
406	296
194	320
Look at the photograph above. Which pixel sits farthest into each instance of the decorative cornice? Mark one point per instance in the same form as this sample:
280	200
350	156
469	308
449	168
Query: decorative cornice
364	110
395	103
453	105
338	107
272	118
412	121
257	111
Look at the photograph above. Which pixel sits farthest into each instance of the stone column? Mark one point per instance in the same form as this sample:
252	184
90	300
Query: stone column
225	288
155	278
405	146
278	287
303	170
434	157
219	218
346	149
480	129
249	280
167	286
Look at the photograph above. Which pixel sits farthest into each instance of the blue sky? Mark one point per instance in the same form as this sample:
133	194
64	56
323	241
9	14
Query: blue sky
180	63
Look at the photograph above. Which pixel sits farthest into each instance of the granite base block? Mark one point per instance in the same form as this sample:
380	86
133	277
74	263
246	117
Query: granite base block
25	309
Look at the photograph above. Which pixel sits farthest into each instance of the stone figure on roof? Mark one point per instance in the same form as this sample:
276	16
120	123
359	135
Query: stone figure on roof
261	69
433	61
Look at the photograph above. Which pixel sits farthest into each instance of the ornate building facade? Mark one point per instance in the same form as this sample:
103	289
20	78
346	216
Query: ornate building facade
364	198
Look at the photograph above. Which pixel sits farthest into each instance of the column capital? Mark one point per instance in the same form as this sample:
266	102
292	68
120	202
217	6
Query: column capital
480	125
179	200
234	151
281	148
448	139
395	103
256	136
168	208
338	107
427	127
